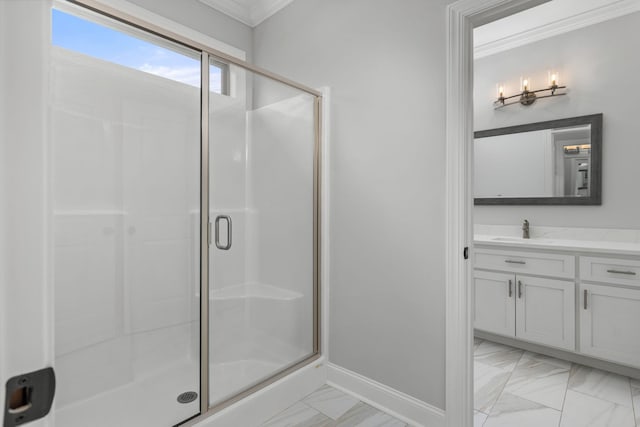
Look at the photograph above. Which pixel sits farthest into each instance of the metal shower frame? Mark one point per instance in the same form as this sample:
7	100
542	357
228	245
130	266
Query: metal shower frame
208	54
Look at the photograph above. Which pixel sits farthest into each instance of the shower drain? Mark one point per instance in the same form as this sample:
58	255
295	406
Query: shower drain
187	397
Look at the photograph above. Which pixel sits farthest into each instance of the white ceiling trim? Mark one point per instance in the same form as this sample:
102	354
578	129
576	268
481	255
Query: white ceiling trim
234	9
250	12
263	9
591	17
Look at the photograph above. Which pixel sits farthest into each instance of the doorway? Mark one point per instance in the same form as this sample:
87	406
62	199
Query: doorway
568	286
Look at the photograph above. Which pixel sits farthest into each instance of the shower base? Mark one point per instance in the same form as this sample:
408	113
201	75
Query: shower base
152	401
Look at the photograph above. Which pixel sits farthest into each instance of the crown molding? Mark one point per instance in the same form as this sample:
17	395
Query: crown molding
565	25
232	8
249	12
263	9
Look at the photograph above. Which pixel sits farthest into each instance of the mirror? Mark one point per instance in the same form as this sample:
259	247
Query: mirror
556	162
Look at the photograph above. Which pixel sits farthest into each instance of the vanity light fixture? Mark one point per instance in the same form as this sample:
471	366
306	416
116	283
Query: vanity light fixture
577	149
527	96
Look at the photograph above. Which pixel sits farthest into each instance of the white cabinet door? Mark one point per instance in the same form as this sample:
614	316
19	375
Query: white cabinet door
609	319
495	306
545	311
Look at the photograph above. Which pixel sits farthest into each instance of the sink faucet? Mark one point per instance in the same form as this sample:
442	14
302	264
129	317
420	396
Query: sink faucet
525	230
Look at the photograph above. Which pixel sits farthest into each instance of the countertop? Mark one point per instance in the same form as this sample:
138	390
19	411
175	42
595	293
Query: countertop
589	246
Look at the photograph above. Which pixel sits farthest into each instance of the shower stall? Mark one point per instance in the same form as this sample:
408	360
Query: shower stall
184	206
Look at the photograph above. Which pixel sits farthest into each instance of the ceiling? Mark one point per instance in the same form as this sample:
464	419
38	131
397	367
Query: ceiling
547	20
250	12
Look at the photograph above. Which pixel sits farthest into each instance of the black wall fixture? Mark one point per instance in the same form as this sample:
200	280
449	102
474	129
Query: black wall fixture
29	397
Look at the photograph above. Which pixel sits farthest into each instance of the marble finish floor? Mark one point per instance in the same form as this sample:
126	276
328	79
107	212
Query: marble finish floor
329	407
514	387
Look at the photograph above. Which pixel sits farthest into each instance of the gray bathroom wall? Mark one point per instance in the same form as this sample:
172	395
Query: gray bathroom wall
203	18
385	64
600	64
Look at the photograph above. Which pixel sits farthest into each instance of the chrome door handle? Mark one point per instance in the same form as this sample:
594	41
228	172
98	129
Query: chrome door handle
585	299
511	261
519	289
628	273
229	232
510	288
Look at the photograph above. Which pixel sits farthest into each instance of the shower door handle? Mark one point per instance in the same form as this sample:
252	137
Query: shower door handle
227	218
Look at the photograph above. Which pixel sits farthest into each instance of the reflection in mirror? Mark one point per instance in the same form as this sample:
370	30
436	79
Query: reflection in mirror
554	162
572	152
545	163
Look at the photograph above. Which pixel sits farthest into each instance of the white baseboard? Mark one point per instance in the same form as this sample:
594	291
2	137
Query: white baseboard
402	406
273	399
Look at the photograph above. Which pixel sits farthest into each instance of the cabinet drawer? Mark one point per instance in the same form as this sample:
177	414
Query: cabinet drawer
610	270
544	264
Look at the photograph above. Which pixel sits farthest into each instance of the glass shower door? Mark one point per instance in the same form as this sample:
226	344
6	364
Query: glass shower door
130	246
262	260
126	168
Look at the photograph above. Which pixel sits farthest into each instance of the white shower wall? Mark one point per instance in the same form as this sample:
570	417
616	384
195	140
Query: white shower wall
125	154
125	179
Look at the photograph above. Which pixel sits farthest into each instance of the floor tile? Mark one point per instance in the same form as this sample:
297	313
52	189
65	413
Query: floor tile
299	415
479	418
330	401
363	415
488	383
600	384
497	355
540	387
581	410
547	359
510	411
540	379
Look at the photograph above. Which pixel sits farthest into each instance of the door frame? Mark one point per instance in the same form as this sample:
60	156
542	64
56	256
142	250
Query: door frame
462	17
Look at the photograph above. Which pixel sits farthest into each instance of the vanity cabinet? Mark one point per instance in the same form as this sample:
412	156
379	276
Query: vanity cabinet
609	322
581	300
526	307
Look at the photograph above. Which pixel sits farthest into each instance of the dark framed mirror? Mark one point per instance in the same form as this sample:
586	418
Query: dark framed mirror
556	162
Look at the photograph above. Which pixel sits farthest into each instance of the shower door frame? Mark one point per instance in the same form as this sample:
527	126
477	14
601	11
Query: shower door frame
208	53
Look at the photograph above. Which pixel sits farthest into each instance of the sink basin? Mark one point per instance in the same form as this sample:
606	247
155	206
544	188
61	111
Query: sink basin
521	240
508	239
